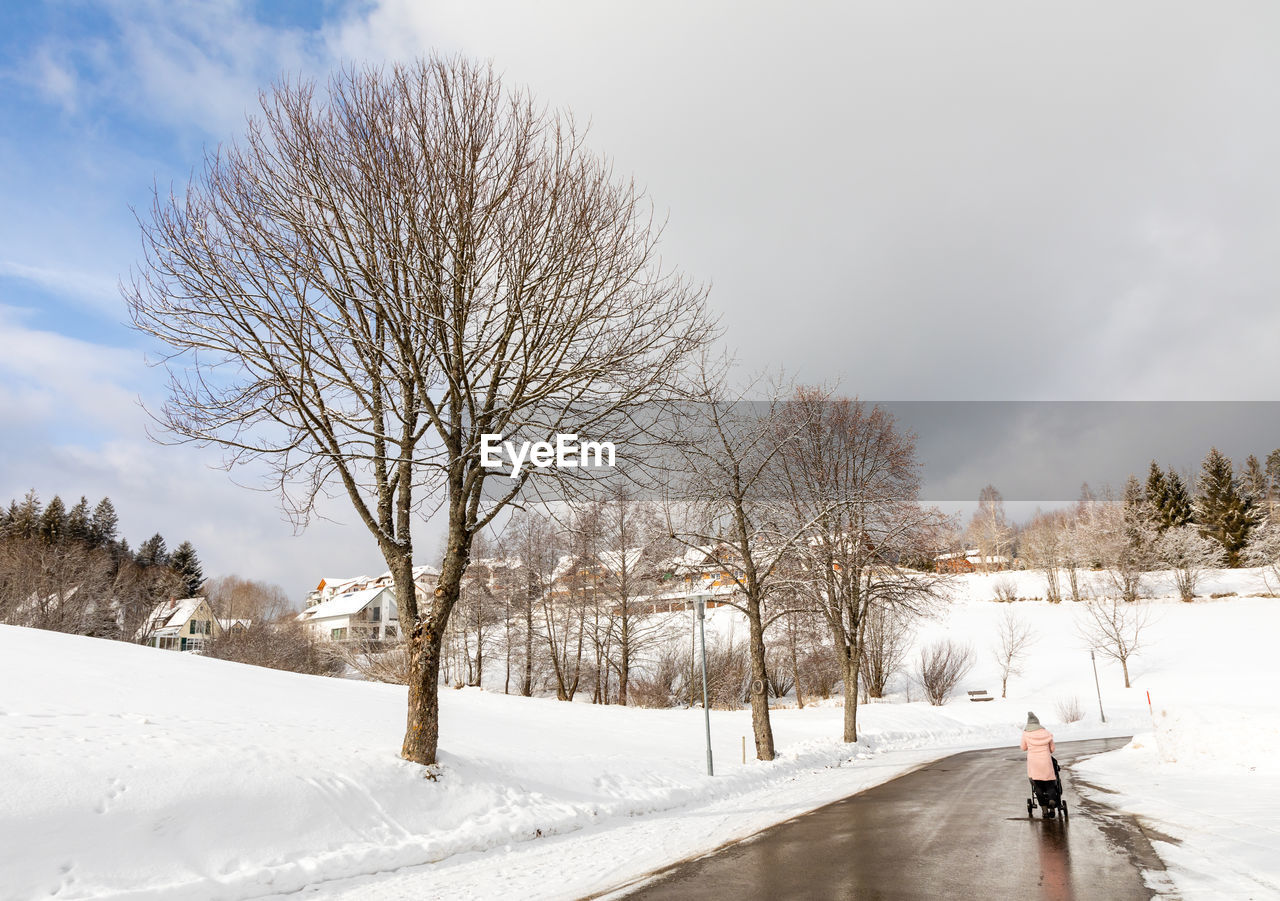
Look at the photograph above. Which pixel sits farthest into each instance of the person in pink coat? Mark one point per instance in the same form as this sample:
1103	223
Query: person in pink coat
1037	741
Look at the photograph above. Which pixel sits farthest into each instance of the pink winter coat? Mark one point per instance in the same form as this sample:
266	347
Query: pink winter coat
1039	748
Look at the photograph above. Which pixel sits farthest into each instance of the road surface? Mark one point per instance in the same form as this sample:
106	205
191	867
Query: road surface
955	829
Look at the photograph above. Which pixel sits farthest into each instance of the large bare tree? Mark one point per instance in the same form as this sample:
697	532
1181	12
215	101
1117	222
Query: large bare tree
388	267
735	517
851	477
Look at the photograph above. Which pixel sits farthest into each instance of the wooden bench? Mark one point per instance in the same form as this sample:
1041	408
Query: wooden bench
980	695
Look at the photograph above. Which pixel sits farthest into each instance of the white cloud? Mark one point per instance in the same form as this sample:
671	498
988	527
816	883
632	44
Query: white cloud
56	80
98	291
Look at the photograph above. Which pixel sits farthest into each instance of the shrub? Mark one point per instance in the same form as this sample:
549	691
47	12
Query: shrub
1006	591
665	682
283	646
942	666
1069	710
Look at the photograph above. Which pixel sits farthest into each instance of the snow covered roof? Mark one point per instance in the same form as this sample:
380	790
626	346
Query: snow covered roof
614	561
343	604
340	585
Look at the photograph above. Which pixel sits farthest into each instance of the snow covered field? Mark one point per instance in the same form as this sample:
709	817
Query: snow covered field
135	773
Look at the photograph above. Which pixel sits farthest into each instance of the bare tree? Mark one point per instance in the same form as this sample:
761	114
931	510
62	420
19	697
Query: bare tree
1014	638
734	519
850	479
989	529
235	597
942	666
884	643
1043	547
388	269
1114	627
627	580
1120	535
1188	553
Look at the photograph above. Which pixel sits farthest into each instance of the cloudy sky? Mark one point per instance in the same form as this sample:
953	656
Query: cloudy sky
926	201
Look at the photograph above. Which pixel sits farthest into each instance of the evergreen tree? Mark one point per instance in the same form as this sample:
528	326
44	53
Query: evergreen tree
1273	469
102	529
6	518
1224	511
187	565
1179	511
1158	496
24	522
53	523
1255	479
78	521
153	552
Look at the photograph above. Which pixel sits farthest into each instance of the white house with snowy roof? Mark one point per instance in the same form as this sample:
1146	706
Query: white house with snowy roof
368	614
180	625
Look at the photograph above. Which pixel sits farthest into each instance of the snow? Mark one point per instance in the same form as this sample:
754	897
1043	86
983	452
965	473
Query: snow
139	773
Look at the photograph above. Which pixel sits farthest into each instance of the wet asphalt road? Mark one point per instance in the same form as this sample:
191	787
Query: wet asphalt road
955	829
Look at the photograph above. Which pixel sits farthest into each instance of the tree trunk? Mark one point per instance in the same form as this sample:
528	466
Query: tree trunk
426	639
1124	665
624	656
795	664
526	688
422	730
759	686
849	670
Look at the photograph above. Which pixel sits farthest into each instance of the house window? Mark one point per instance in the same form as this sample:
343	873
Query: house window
375	614
391	631
338	634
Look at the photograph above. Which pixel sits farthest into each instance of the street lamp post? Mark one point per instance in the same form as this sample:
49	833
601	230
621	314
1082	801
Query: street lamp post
699	602
1097	685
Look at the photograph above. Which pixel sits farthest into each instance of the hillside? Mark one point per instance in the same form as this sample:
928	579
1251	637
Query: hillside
138	773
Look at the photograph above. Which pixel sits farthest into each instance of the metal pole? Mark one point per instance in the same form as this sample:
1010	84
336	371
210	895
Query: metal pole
1097	685
706	708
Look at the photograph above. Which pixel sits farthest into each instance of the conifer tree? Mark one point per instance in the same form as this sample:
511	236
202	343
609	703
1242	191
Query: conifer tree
102	530
1158	496
187	565
1273	469
153	552
25	520
1255	479
53	523
1179	511
1224	512
78	521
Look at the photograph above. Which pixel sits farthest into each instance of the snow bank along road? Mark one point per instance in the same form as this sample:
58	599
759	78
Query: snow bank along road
953	829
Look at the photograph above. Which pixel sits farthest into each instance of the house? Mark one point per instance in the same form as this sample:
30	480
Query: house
424	577
180	625
329	588
970	560
368	614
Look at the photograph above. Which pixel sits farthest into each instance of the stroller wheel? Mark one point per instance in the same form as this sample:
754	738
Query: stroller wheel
1030	806
1064	810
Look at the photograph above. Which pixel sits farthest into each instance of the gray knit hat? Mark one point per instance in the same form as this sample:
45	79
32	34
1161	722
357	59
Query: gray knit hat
1033	723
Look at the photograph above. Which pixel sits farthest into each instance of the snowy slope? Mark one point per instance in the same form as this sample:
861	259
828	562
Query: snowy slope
131	772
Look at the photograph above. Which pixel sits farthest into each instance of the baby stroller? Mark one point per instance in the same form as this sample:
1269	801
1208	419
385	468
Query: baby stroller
1047	794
